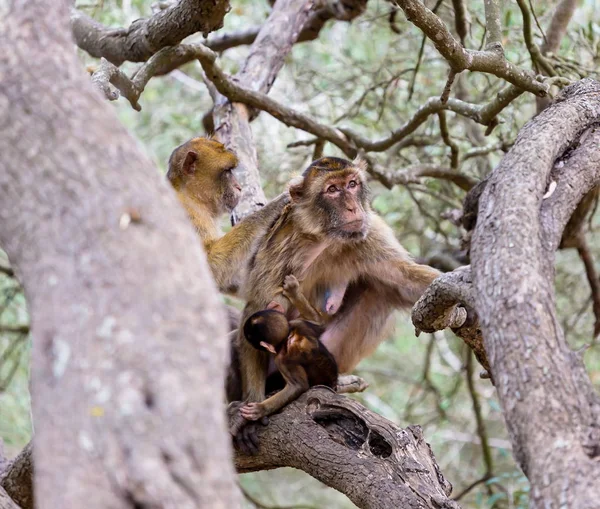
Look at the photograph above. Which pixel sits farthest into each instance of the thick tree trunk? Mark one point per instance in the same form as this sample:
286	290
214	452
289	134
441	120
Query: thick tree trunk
128	337
551	410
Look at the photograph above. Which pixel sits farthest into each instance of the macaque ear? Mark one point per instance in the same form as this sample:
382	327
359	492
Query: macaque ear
189	163
268	346
296	189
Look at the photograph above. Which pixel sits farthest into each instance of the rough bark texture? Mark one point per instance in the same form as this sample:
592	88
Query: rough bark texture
6	502
551	409
554	35
148	35
232	120
17	479
344	445
438	309
128	338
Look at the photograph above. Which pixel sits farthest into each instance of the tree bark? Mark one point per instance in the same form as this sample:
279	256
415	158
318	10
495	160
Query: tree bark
232	120
129	340
357	452
6	502
17	479
551	409
148	35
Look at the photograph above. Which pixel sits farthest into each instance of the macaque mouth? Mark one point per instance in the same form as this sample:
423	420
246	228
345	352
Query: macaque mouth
353	226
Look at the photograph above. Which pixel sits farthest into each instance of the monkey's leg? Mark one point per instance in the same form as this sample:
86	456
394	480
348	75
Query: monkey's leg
297	384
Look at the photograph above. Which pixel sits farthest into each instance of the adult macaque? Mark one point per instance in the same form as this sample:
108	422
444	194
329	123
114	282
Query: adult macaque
329	237
201	171
300	357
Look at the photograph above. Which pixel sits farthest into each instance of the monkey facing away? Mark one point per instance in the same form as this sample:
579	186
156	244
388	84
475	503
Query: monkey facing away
300	357
329	237
201	172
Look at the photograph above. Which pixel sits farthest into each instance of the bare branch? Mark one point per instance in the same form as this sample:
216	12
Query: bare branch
493	26
146	36
537	58
322	425
460	20
413	174
558	27
232	121
460	59
448	140
111	81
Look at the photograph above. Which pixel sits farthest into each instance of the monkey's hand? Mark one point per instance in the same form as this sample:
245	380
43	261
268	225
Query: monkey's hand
253	411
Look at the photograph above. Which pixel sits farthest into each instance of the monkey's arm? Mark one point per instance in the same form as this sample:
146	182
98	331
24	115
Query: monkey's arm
228	255
291	291
296	384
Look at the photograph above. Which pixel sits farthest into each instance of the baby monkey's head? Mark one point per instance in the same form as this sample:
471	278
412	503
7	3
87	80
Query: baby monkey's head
267	330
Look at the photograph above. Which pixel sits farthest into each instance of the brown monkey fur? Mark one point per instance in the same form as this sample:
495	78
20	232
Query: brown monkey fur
329	237
300	357
201	171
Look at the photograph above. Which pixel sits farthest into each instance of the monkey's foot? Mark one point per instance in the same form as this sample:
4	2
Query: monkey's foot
291	285
252	411
349	384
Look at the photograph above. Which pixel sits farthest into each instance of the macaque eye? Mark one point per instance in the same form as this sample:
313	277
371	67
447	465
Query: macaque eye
352	183
332	189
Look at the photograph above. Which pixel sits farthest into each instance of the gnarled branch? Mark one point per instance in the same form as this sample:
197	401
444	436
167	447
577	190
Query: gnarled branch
146	36
357	452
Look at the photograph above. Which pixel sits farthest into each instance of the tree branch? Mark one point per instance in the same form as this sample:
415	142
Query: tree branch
555	33
146	36
357	452
232	121
493	26
414	174
449	302
461	59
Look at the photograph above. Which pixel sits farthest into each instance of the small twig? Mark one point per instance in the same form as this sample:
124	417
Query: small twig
7	271
411	86
537	58
448	140
592	276
318	151
493	26
481	429
260	505
460	20
448	87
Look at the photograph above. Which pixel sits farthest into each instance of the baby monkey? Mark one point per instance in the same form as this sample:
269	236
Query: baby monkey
300	357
